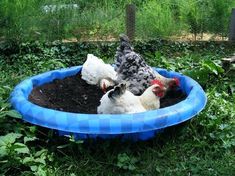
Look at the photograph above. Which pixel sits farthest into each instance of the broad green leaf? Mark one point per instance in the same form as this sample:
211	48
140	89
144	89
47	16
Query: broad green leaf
131	167
27	139
14	114
41	171
4	105
40	160
39	153
213	67
3	151
33	168
28	160
21	148
10	138
33	129
2	115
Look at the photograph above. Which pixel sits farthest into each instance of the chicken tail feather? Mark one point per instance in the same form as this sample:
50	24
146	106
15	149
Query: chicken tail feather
117	91
125	42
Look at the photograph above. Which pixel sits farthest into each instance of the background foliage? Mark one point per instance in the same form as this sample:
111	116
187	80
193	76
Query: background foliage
50	20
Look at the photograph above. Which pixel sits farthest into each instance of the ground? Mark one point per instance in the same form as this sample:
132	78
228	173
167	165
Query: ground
202	146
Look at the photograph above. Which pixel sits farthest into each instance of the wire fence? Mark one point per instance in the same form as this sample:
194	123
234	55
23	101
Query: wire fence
79	20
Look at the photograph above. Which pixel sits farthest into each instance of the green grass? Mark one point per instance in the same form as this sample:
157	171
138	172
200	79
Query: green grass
203	145
25	20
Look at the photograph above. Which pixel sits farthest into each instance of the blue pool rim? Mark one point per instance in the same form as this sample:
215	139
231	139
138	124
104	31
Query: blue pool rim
138	126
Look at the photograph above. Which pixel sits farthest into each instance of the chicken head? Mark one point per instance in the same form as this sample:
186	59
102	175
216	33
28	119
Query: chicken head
173	83
158	88
106	83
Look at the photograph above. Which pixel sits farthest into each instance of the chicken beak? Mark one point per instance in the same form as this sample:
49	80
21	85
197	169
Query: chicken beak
104	88
160	92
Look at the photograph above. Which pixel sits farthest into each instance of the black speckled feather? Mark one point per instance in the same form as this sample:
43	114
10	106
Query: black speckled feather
132	68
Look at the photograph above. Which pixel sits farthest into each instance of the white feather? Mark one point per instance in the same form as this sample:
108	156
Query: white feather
94	69
129	103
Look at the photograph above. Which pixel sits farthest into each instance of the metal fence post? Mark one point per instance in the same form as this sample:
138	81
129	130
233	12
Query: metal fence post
232	27
130	21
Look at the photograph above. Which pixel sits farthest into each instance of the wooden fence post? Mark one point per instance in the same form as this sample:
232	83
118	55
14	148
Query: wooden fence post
130	21
232	27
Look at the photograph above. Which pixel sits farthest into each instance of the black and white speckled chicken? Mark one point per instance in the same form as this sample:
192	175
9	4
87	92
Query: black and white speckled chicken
132	68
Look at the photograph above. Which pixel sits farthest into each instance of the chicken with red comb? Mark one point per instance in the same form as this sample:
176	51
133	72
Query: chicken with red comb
173	83
120	100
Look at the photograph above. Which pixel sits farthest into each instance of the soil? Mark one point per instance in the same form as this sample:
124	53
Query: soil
73	94
172	97
184	36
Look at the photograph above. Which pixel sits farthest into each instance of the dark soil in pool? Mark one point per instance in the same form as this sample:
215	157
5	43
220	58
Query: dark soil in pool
73	94
172	97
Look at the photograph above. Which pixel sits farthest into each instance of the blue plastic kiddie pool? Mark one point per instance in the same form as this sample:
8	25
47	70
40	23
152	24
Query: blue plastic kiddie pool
138	126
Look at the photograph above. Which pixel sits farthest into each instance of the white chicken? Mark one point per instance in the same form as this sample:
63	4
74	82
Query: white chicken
119	100
96	72
132	68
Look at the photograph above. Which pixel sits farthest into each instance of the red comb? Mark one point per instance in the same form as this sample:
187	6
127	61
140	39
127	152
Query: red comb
177	81
156	81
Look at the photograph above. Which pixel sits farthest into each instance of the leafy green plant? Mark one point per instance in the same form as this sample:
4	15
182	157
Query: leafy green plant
126	162
220	113
8	145
16	154
206	71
